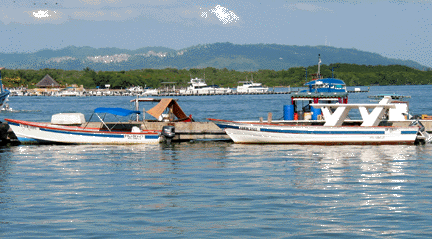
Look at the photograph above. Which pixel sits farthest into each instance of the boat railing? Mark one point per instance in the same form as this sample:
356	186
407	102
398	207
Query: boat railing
336	114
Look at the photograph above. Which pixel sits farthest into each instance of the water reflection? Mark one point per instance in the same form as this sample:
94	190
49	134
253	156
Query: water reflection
336	184
167	189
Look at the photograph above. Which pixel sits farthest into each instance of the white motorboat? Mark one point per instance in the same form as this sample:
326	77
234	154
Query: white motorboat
70	91
251	87
135	90
198	86
150	91
72	128
332	131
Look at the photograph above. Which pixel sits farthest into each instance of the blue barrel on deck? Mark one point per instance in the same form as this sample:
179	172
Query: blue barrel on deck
315	112
288	112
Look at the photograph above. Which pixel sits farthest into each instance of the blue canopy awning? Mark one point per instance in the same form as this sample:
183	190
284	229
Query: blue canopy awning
331	81
116	111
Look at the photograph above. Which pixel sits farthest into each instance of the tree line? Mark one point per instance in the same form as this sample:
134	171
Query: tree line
352	74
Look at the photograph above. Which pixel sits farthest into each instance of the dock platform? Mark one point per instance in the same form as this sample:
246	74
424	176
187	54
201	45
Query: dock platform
188	131
170	94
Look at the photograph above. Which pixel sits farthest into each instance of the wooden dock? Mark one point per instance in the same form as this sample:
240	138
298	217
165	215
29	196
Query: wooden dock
187	131
170	94
165	93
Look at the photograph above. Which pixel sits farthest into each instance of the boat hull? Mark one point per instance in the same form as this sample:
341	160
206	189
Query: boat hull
42	133
329	135
252	90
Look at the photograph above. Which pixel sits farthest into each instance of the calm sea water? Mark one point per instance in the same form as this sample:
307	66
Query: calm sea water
214	189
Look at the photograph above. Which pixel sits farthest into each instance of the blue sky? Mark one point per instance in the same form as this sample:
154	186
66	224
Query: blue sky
396	29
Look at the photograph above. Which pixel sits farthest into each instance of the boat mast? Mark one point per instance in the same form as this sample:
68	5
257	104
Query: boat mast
319	62
306	75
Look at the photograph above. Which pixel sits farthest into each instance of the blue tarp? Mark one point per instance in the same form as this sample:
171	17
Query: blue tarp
331	81
116	111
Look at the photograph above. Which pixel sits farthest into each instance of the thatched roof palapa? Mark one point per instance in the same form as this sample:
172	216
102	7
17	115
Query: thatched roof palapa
47	82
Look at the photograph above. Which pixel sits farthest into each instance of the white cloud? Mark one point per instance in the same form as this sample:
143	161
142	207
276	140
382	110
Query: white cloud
46	15
218	14
31	16
115	10
306	7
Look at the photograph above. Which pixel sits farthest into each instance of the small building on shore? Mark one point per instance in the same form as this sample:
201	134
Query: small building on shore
47	82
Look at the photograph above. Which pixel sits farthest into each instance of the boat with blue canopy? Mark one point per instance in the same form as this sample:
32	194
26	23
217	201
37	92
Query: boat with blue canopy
73	128
325	85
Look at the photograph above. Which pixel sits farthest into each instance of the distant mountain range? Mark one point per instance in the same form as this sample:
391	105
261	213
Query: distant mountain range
251	57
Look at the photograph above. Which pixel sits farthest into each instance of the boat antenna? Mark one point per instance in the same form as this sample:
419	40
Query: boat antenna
306	74
319	62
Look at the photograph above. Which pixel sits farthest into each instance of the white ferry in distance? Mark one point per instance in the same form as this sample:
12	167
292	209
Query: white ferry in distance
138	90
198	86
251	87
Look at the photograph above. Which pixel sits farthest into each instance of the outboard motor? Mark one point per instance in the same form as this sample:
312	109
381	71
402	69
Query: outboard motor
168	132
423	137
